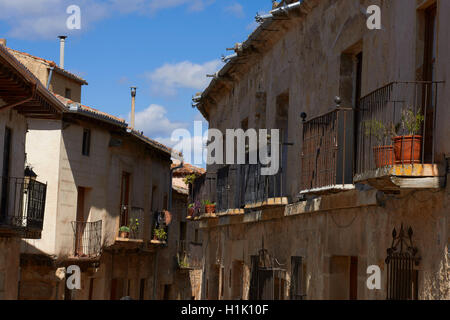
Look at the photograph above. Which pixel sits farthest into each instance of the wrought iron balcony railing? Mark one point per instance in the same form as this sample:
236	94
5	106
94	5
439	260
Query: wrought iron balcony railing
87	239
327	151
396	126
189	255
132	219
256	188
22	206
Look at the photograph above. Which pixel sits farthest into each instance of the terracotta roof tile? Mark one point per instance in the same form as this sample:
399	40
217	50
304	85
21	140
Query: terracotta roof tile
188	169
51	64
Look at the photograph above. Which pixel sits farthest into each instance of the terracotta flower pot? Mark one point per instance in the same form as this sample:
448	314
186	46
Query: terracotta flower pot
210	208
191	212
123	234
408	149
384	156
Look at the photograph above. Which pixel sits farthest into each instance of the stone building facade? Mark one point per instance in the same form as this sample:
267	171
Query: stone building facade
189	257
108	192
338	205
22	193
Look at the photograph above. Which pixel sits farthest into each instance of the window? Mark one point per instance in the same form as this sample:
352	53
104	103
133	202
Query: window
68	93
142	289
297	279
91	288
86	142
401	262
182	231
429	74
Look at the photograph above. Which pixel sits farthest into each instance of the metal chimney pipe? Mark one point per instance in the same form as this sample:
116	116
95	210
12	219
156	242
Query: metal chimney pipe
133	105
62	43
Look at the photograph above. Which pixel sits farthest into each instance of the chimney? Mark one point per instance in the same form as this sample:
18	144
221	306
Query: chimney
62	42
3	42
133	105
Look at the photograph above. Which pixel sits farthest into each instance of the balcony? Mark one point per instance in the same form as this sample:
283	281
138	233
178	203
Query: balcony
87	241
22	207
327	152
189	255
159	232
396	138
132	225
258	191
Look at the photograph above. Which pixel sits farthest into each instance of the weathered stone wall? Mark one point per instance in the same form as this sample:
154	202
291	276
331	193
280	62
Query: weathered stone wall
9	267
305	63
318	236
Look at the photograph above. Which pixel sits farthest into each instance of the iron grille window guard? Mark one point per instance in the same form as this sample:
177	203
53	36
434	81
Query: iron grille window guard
22	204
396	125
327	150
401	260
87	238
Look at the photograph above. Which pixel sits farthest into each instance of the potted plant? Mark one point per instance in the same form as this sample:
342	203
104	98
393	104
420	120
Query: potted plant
134	227
183	262
210	208
408	147
190	179
383	152
191	211
160	234
124	232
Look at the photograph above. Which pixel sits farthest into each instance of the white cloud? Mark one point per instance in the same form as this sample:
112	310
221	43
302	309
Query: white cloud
236	9
167	79
45	19
154	122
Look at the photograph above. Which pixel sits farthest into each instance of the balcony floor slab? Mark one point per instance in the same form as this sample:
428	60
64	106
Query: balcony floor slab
412	176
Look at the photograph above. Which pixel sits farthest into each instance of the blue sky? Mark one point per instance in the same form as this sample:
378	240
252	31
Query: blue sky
164	47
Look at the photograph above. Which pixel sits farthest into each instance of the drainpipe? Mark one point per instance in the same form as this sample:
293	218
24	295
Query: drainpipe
284	9
50	77
170	183
155	268
228	58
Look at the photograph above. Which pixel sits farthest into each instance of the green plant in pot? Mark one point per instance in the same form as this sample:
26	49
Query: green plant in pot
183	262
408	147
190	179
210	207
191	210
124	232
160	234
383	152
134	227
